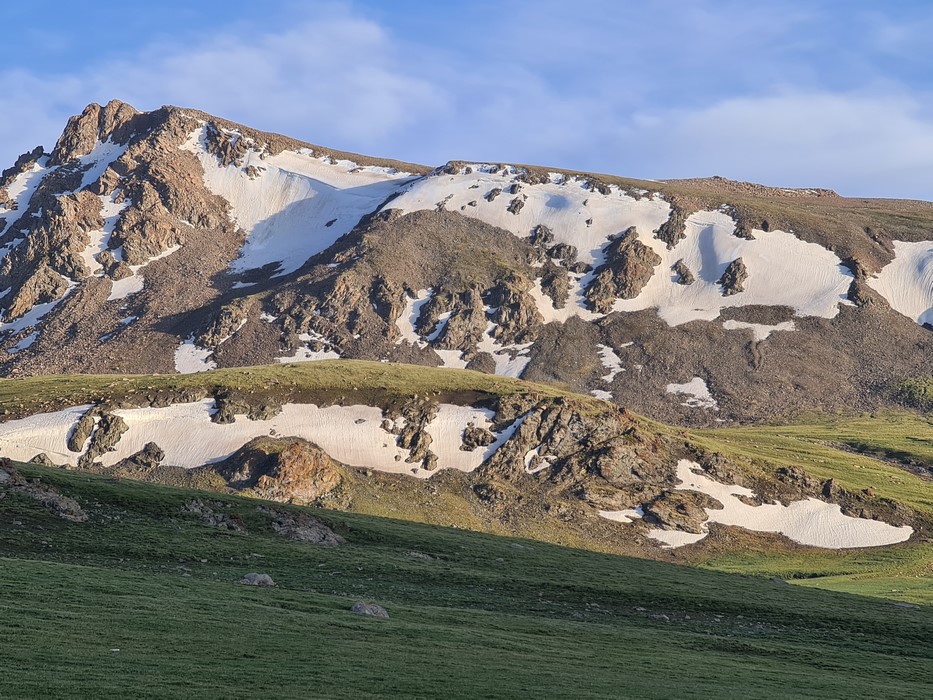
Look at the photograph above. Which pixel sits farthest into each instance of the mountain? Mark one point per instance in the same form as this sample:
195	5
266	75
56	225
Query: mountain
177	241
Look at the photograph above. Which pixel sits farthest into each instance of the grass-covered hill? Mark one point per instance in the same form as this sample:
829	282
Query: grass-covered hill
593	457
143	594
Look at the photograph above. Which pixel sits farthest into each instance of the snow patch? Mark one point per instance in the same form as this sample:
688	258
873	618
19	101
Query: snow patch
698	392
304	354
134	283
36	313
782	271
190	358
20	191
511	360
451	358
99	159
623	516
810	522
100	239
409	318
906	283
25	342
760	331
610	361
24	438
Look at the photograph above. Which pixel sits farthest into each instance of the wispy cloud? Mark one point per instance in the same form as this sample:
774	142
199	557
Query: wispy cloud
786	93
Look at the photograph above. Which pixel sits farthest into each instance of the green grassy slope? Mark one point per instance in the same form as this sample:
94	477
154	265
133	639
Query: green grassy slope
367	382
471	615
886	453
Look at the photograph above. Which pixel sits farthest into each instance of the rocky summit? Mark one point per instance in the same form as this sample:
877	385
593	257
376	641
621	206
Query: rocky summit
175	241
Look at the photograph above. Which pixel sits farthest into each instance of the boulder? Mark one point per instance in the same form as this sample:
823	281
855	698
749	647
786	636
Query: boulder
733	279
254	579
370	609
684	275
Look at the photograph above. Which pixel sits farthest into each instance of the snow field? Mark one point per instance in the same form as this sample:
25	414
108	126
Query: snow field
782	270
295	205
906	283
350	434
809	522
698	393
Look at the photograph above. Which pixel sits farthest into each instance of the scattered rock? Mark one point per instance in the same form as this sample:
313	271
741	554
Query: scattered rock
207	514
302	528
254	579
370	609
49	497
474	436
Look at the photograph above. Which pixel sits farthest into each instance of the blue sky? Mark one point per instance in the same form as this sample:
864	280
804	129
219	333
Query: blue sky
833	94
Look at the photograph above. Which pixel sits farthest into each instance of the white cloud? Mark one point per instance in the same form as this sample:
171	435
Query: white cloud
877	143
650	92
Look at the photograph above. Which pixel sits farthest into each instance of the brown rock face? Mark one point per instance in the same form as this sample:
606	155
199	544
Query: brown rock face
684	275
303	474
287	470
93	124
674	229
43	286
678	511
104	439
628	267
517	317
555	282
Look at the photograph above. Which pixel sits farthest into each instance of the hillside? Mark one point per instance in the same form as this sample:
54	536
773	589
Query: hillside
178	241
143	593
493	454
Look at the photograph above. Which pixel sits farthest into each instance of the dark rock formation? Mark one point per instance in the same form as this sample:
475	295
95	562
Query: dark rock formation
628	267
733	279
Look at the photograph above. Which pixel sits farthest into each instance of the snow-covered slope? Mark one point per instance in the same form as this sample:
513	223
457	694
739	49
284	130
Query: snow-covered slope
292	205
575	213
353	435
783	270
907	282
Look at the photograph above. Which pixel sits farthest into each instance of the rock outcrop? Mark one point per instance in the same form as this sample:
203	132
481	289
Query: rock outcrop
628	267
733	279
